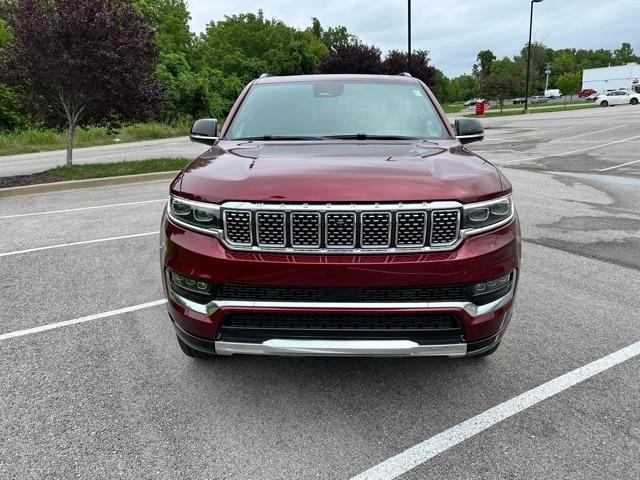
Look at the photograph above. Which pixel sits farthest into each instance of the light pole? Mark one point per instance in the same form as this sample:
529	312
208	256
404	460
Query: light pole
409	37
526	87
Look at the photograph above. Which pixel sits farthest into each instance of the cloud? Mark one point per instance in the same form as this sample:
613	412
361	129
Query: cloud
453	31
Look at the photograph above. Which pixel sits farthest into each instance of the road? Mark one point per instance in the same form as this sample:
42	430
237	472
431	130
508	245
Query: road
92	391
29	163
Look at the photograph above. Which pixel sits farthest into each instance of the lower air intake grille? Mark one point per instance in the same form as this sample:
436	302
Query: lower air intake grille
340	321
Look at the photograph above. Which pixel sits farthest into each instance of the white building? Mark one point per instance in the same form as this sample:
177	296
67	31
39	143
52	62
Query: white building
610	78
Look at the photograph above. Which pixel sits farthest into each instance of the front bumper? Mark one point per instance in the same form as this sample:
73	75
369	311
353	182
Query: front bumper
478	258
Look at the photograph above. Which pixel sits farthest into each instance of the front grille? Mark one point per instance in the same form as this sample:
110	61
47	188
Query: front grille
237	227
340	230
271	229
445	227
389	228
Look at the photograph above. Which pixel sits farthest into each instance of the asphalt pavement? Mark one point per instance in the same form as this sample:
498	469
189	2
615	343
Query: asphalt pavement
108	394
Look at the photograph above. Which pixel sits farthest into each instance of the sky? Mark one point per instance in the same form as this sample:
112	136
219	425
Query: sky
453	31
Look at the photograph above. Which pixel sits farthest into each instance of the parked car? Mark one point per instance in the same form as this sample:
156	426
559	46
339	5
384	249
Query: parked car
473	101
618	97
553	93
518	101
339	215
539	99
587	92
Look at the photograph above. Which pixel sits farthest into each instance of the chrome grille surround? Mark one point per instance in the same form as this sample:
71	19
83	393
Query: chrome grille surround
409	221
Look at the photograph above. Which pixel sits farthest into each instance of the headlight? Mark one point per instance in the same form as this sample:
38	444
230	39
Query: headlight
197	214
485	214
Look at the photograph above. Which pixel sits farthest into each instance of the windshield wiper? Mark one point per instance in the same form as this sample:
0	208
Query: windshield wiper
280	137
365	136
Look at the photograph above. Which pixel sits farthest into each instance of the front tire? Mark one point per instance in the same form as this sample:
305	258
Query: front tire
192	352
634	101
604	103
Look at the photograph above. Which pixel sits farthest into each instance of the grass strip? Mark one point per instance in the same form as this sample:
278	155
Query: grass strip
116	169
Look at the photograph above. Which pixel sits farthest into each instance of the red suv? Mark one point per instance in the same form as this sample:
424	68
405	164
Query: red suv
339	215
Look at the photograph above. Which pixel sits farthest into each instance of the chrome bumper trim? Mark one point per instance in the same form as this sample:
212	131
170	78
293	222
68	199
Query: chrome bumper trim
471	308
351	348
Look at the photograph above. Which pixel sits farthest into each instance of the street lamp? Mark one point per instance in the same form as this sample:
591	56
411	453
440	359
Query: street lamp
526	88
409	36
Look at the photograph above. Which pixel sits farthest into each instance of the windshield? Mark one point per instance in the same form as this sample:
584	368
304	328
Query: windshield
349	109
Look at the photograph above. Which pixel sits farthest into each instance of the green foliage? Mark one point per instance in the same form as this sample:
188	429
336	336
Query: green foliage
569	83
247	45
483	67
463	88
115	169
499	87
170	20
11	117
624	54
31	140
442	88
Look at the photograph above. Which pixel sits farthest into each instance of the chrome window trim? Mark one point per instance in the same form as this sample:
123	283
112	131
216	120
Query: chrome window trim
224	228
376	247
284	231
427	207
424	230
471	308
316	246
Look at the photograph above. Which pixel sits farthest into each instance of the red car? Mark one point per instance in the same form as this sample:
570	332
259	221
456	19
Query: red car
587	92
339	215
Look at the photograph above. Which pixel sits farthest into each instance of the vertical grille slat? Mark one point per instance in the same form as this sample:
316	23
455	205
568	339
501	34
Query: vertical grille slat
401	228
411	229
375	230
340	230
237	226
444	226
271	229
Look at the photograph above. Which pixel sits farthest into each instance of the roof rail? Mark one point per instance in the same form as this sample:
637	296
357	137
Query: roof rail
264	75
405	74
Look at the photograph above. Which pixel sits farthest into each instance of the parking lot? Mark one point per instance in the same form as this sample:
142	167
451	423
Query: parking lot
95	386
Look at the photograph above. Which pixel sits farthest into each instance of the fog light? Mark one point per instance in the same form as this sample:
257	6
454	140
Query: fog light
190	284
492	285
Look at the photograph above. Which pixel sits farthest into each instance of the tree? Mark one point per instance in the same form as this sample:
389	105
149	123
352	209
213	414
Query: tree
85	58
624	54
463	87
569	84
498	87
483	67
396	62
170	20
354	57
248	45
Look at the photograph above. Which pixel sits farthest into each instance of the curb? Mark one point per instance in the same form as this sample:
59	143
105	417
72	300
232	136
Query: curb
89	183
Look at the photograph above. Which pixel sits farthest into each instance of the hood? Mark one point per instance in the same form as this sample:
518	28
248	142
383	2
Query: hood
338	171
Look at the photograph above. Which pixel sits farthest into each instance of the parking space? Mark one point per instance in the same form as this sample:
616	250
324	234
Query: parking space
114	397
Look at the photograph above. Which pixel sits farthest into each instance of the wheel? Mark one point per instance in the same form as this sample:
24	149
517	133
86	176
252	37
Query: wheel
604	103
486	353
193	353
634	101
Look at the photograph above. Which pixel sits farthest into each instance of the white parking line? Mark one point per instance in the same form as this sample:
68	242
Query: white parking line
536	132
420	453
571	151
596	131
67	210
618	166
75	321
73	244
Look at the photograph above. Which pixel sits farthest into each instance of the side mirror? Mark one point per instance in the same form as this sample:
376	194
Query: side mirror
204	131
469	130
